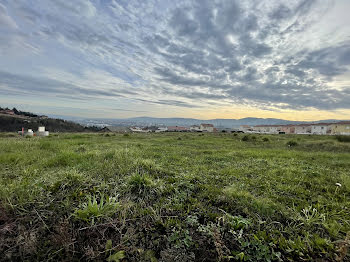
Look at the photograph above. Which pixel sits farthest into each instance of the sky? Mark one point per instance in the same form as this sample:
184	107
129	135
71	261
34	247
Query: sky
201	59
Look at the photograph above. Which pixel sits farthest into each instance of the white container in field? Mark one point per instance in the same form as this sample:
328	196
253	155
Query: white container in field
30	132
41	129
42	133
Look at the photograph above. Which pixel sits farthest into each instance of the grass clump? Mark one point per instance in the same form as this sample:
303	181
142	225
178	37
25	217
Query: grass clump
345	139
292	143
142	185
245	138
96	208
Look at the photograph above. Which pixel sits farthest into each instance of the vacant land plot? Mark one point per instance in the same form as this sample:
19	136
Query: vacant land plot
174	197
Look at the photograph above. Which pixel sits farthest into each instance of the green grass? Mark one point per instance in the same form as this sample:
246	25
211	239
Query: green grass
174	197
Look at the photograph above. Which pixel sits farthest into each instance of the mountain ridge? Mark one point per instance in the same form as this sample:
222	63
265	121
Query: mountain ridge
177	121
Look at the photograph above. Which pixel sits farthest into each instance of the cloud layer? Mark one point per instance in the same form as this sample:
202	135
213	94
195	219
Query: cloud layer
189	54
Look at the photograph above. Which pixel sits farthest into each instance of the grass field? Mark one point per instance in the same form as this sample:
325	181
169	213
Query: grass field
174	197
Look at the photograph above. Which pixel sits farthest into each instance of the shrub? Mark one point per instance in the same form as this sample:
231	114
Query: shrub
253	137
292	143
245	138
126	135
266	139
235	134
343	139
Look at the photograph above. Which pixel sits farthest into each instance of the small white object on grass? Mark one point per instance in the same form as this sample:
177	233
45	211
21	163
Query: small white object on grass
337	184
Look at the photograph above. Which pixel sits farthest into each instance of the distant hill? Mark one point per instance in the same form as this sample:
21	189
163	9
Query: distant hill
221	123
12	120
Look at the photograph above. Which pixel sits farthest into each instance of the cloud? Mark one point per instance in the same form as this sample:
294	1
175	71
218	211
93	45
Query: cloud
189	54
5	20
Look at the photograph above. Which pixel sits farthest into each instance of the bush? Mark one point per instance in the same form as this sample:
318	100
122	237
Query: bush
235	134
253	137
343	138
126	135
245	138
292	143
266	139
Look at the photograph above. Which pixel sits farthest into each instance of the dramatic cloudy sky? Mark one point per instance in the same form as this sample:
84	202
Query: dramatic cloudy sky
205	58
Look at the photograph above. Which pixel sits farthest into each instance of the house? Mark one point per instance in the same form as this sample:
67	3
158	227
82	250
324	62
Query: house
177	129
206	127
161	129
303	129
267	129
340	128
288	129
8	112
321	128
136	129
245	128
195	128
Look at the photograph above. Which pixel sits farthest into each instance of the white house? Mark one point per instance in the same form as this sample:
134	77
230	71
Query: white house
161	129
321	128
245	128
267	129
206	128
303	129
137	129
195	128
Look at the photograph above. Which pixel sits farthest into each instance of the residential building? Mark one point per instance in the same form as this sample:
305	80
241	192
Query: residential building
245	128
177	129
340	128
161	129
137	129
8	112
303	129
267	129
195	128
206	127
288	129
321	128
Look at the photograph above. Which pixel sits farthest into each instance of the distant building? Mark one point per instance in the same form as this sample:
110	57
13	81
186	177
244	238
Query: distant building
340	128
117	129
195	128
303	129
177	129
267	129
8	112
321	128
288	129
246	128
161	129
136	129
206	127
